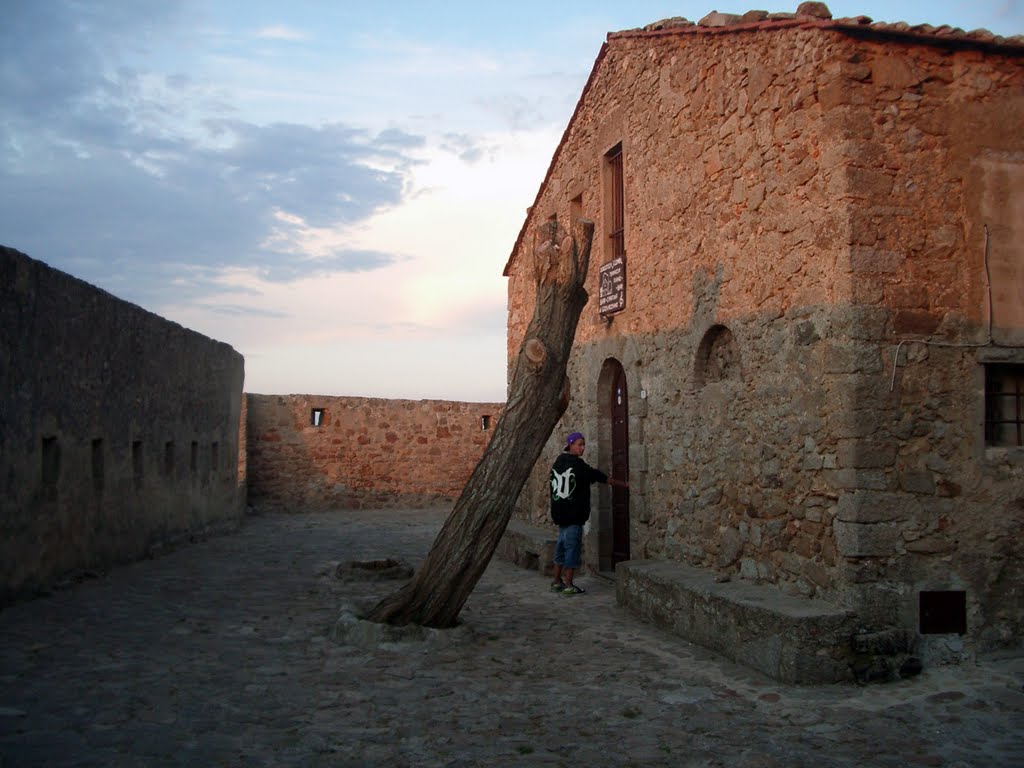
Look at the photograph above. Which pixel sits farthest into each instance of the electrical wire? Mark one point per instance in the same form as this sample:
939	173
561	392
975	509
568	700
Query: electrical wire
961	345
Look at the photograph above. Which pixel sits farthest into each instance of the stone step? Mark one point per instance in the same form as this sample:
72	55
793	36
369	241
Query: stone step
528	546
790	638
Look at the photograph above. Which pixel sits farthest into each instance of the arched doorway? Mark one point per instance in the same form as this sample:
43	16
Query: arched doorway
613	415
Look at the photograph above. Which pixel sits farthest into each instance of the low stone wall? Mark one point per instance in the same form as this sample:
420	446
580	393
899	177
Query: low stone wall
118	429
312	451
528	546
789	638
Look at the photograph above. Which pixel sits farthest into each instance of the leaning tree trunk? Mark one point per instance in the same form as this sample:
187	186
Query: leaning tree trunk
538	396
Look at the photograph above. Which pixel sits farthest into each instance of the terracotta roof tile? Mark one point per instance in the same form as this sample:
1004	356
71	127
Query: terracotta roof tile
818	15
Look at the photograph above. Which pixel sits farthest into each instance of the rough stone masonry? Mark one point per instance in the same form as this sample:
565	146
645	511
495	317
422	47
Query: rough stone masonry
809	384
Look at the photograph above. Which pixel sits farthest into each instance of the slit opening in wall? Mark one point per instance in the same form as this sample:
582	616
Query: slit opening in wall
137	462
943	612
485	422
97	464
50	468
316	417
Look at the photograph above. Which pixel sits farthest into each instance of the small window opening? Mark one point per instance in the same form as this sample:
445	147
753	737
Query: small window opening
485	422
1004	404
943	612
50	461
137	462
616	202
316	417
193	456
214	456
575	210
97	465
169	458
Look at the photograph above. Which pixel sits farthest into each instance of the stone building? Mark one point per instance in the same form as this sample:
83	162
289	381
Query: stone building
803	345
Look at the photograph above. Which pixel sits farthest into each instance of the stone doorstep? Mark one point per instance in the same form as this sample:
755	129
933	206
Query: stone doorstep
789	638
528	546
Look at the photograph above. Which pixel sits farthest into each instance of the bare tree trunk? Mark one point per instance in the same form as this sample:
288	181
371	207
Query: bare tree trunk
538	396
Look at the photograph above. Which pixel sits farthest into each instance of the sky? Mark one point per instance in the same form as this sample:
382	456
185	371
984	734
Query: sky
332	188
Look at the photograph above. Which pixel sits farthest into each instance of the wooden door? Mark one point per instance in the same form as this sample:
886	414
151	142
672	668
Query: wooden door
620	466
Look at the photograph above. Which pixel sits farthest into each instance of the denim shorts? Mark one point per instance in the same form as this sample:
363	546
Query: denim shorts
569	548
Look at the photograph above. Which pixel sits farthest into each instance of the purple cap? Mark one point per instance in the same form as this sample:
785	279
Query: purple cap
572	438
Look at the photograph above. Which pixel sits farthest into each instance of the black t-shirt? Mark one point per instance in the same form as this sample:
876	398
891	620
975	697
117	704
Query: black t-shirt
571	477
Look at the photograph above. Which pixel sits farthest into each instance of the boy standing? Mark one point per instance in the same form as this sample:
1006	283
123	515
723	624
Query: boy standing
571	478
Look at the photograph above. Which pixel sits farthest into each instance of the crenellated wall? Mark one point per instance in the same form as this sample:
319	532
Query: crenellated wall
119	430
362	452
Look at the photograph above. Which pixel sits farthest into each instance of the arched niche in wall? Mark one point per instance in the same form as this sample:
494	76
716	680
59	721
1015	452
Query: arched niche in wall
718	357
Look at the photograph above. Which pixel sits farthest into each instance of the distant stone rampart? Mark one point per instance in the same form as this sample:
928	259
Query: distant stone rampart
119	430
310	451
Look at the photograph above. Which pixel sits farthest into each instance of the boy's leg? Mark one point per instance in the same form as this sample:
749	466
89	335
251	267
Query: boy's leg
558	560
573	545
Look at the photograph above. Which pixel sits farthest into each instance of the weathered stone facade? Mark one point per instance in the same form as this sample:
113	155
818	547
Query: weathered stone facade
362	452
119	430
122	433
808	204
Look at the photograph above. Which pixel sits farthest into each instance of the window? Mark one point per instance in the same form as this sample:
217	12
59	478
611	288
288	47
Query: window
616	216
316	417
485	422
1004	397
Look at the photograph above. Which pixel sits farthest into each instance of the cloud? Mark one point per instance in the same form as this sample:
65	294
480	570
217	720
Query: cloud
281	32
152	177
241	311
467	148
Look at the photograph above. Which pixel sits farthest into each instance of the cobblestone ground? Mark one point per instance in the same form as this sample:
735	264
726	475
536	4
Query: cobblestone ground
222	654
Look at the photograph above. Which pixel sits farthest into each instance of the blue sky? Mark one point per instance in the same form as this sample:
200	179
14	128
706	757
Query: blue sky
330	187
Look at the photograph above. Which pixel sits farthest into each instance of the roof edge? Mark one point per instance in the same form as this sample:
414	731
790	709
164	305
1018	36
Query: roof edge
557	153
858	26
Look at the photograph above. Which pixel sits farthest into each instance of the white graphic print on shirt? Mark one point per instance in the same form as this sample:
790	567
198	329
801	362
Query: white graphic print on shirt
562	485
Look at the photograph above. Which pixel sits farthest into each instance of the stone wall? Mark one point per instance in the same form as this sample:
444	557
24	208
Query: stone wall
118	429
799	200
362	452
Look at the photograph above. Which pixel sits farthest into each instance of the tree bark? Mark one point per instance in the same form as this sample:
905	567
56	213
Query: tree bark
538	396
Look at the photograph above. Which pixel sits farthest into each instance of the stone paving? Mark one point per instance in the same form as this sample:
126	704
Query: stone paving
226	653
